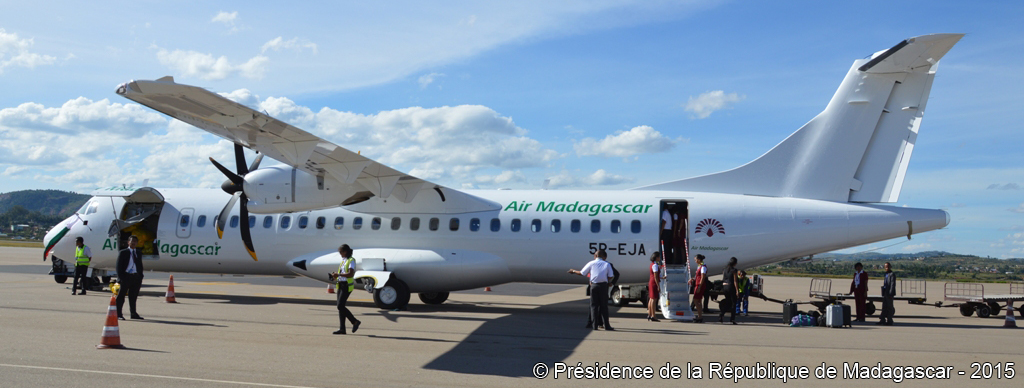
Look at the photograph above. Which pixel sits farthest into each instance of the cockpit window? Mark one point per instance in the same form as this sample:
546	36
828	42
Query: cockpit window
82	209
89	208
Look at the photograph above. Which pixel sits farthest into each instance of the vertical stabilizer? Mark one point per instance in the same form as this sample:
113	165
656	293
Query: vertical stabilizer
858	148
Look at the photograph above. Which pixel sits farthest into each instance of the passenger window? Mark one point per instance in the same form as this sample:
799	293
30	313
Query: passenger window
635	226
396	223
375	223
434	224
286	221
516	225
339	222
414	223
233	222
453	224
303	222
268	221
321	222
495	224
595	226
357	223
574	226
535	225
556	226
616	226
474	224
201	221
184	221
252	222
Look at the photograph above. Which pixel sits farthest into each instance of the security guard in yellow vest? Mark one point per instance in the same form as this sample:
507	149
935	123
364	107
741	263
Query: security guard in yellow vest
83	255
345	284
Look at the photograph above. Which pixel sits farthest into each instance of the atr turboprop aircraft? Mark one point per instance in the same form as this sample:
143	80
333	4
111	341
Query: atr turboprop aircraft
817	191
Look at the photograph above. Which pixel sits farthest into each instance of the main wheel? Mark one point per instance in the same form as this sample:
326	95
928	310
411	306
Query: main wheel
616	297
394	295
433	297
60	278
870	308
966	310
983	311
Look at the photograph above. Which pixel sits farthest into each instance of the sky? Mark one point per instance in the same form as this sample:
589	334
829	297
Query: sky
602	95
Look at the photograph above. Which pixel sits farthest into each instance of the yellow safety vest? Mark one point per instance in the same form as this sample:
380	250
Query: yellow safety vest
352	280
80	257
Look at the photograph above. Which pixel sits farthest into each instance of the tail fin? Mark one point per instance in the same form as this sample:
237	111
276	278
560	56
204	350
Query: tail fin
858	148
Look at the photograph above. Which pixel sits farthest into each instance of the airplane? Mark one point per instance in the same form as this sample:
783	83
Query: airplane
821	189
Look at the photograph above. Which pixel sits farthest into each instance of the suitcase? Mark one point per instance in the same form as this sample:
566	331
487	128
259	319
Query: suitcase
846	315
788	312
834	315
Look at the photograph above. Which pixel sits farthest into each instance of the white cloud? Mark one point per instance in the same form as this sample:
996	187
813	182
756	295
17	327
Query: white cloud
207	67
1018	209
427	79
707	103
917	247
278	44
228	19
598	178
506	176
82	114
639	140
14	52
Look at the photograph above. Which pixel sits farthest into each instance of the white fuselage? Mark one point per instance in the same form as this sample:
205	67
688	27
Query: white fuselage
757	230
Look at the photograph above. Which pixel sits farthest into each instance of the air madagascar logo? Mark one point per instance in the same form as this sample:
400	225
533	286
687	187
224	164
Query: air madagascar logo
575	207
709	226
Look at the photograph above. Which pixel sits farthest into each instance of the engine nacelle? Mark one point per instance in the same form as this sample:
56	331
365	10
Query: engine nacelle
280	189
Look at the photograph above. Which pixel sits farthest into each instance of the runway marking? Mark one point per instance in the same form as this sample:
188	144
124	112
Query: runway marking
154	376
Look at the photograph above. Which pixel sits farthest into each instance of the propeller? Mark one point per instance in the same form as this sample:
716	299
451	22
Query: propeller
234	186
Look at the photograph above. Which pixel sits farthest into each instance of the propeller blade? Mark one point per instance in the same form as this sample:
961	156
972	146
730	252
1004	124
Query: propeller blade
244	221
222	219
234	178
256	163
240	160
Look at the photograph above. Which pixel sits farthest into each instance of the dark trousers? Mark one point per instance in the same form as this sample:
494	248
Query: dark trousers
130	286
599	304
887	309
728	304
670	247
81	272
343	313
861	301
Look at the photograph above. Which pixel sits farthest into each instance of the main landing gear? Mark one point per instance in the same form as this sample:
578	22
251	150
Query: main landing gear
394	295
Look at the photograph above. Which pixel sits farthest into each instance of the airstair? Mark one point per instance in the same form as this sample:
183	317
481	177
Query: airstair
675	293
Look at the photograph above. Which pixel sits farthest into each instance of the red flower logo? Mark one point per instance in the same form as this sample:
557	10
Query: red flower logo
709	226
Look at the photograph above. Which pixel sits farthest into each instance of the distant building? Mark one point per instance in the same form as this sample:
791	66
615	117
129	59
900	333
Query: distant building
15	228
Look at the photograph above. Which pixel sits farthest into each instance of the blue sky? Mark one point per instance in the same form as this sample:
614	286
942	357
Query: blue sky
584	94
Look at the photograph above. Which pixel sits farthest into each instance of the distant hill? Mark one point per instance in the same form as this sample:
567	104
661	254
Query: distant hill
55	203
887	256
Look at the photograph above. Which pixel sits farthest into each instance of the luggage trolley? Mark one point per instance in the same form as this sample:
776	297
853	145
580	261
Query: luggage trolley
914	291
973	299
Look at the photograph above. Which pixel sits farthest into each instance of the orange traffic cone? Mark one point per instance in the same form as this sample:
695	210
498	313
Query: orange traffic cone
330	288
169	296
1010	320
111	335
488	289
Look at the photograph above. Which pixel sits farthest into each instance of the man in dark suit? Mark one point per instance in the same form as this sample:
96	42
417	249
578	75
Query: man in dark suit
888	294
129	273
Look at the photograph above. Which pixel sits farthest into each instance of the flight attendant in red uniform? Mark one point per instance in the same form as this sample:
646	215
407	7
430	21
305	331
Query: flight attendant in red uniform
698	289
653	291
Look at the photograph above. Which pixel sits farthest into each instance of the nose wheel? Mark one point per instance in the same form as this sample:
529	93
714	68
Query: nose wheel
394	295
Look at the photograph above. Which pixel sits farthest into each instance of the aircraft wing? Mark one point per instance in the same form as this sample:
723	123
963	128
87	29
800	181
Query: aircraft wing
290	145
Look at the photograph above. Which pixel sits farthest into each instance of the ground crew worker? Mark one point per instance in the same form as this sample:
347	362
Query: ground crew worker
743	283
345	284
83	255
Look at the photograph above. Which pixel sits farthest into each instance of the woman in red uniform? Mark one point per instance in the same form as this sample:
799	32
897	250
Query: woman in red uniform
653	291
698	288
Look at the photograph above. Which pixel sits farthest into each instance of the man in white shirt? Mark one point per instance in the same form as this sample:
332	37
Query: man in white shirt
601	274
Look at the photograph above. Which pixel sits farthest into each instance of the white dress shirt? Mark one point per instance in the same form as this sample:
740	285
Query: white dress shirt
131	261
599	270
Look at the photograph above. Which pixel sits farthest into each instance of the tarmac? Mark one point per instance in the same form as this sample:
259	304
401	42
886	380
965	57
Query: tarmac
276	332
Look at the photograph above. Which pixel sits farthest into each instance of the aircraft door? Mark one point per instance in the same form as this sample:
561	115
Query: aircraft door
184	228
672	229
